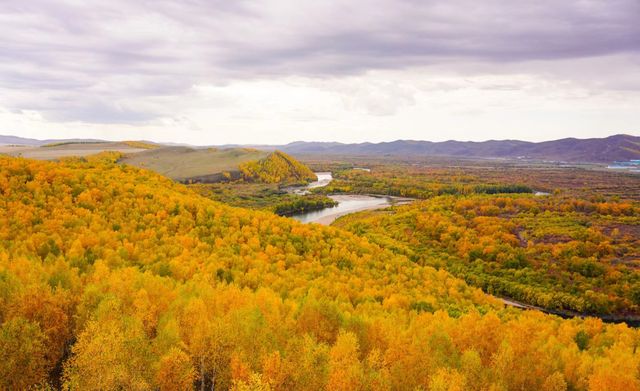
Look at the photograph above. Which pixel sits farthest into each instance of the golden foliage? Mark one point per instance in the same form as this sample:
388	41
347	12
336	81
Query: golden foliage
149	285
278	167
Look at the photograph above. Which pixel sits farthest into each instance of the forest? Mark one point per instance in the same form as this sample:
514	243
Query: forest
563	239
557	253
114	277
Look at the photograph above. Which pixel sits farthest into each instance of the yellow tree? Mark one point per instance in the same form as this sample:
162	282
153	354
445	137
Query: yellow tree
110	355
41	307
345	369
447	380
175	371
22	355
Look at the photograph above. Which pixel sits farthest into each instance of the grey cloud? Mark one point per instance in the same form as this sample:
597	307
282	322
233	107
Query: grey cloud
495	31
117	51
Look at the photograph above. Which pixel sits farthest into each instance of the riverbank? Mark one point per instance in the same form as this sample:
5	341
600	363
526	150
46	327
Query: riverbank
631	321
352	204
346	203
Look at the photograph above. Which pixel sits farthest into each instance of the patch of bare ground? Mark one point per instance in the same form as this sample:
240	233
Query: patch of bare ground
554	239
624	230
631	261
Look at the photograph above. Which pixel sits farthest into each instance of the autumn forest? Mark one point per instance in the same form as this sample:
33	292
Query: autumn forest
276	195
114	277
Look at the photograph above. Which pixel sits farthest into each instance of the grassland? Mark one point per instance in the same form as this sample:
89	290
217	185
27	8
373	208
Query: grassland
61	150
183	163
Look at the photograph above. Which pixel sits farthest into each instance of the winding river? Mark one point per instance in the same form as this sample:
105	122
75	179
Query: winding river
347	203
351	203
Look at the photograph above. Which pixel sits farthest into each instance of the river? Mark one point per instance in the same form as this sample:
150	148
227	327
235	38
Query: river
347	203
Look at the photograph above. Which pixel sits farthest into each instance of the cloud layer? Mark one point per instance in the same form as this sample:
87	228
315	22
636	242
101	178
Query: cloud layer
190	64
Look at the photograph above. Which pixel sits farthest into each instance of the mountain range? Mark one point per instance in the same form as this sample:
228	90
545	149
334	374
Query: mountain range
620	147
596	150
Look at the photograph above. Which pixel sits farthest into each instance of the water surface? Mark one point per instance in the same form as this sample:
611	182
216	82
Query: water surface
323	179
347	203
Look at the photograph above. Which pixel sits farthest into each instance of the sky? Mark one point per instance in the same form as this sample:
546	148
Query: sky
277	71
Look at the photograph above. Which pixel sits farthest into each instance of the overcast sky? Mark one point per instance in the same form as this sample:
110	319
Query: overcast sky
275	71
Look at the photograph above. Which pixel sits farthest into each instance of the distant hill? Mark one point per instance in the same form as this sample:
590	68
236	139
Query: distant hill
619	147
15	140
181	163
195	164
278	167
596	150
215	165
57	149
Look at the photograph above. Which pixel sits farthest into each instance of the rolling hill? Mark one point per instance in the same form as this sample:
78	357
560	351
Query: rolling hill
208	165
180	163
200	165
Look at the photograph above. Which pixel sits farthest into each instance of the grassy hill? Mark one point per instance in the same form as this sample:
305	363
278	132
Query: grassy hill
113	277
215	165
183	163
